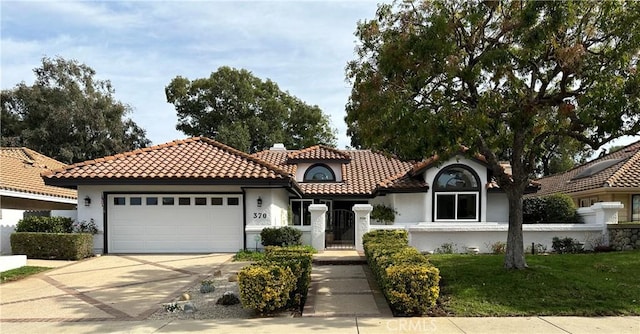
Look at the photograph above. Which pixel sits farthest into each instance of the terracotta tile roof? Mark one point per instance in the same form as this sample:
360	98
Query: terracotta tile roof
20	170
318	153
193	158
365	173
621	170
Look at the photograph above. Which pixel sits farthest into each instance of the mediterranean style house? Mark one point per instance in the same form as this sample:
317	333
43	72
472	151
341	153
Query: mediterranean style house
614	177
198	195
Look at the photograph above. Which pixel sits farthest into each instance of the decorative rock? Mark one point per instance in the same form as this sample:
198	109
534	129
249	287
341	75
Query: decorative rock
228	298
189	308
233	278
217	273
185	296
627	248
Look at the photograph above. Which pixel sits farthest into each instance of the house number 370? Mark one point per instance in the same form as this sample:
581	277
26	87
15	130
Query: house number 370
259	215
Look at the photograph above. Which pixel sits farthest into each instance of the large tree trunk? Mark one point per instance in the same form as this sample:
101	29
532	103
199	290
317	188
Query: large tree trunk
514	258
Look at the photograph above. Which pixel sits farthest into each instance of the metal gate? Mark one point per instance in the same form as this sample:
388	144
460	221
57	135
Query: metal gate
341	232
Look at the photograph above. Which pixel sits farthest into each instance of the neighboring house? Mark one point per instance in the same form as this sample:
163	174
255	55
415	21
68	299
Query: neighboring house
198	195
614	177
23	189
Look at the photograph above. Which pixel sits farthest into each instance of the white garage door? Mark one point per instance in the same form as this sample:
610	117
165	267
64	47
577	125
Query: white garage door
166	223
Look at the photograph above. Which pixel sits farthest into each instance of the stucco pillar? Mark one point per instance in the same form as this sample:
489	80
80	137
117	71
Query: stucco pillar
606	213
363	221
318	225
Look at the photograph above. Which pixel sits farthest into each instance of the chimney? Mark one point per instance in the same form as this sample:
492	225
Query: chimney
278	147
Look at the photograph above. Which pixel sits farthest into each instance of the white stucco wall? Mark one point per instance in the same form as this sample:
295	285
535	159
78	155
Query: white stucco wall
497	207
8	220
275	204
412	208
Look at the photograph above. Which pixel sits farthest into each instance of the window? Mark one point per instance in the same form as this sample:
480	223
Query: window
457	194
152	201
135	201
233	201
301	213
201	201
184	200
635	207
216	200
167	200
319	173
119	201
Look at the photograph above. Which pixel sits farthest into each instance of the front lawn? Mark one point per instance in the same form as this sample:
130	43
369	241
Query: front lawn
20	273
569	284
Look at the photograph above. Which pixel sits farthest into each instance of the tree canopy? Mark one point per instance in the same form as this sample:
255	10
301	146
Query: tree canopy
243	111
506	79
68	115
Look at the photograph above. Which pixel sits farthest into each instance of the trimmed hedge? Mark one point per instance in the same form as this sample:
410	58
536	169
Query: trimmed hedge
298	259
265	288
290	270
45	224
556	208
407	278
281	236
59	246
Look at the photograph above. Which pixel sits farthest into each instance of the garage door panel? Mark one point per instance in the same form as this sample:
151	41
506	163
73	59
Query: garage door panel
173	228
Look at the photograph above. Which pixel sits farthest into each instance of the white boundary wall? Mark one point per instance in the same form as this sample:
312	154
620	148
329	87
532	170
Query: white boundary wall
427	237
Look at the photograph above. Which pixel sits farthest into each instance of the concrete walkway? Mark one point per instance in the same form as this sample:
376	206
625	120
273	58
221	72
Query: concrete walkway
344	291
351	325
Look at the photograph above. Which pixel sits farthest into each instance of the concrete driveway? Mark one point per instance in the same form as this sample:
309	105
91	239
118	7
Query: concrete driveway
110	287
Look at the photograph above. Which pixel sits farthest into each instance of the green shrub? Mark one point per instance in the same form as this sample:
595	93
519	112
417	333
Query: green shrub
556	208
60	246
412	288
407	279
386	235
298	259
566	245
283	236
384	214
265	288
45	224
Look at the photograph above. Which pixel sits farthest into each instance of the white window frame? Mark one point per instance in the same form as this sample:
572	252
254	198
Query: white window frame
456	193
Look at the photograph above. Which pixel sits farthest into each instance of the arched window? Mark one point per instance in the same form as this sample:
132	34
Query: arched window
319	173
456	194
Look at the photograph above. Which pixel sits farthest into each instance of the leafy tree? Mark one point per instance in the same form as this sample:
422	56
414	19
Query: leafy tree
68	115
562	154
243	111
504	78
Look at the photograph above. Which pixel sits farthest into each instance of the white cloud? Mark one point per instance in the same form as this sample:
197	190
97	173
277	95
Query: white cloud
140	46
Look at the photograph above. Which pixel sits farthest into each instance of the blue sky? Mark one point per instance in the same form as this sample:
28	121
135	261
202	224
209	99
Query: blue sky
140	46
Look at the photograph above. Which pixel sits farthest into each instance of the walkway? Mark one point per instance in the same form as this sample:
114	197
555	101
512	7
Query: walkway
343	286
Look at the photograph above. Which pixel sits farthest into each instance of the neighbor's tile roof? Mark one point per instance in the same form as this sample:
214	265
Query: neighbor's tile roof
623	174
365	173
20	170
318	153
193	158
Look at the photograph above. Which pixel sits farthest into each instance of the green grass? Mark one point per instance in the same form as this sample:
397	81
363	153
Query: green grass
594	284
248	255
20	273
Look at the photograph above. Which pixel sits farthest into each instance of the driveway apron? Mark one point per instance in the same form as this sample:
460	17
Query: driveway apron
111	287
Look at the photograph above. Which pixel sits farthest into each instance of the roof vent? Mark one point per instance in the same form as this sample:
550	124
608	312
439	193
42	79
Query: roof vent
278	147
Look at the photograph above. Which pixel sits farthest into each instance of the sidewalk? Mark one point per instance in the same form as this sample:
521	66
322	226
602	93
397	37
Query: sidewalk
351	325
